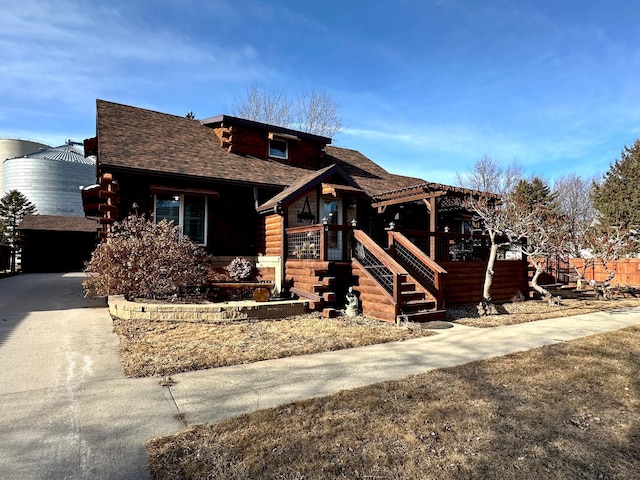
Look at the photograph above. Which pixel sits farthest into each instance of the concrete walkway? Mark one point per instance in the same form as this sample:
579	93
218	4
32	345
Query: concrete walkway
69	412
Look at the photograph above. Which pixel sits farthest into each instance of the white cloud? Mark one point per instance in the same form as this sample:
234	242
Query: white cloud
77	49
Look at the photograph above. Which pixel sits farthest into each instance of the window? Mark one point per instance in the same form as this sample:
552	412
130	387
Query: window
278	148
188	211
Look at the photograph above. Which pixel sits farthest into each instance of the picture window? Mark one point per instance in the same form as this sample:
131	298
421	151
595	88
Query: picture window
190	212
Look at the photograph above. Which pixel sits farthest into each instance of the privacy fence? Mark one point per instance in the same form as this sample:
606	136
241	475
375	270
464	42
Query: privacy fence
559	270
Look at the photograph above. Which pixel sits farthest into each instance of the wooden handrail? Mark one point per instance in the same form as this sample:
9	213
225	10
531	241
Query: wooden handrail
379	253
323	230
319	226
431	264
409	245
306	228
383	257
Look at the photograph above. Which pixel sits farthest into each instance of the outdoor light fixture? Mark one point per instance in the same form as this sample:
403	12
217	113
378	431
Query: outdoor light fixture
392	225
354	223
325	221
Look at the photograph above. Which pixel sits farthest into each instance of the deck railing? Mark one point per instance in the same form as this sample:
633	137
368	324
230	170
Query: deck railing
319	242
388	273
424	269
447	246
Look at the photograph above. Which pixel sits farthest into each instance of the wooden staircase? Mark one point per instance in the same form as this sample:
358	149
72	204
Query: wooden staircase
387	291
324	283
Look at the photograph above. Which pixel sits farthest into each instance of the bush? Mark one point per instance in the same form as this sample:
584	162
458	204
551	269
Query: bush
143	259
239	269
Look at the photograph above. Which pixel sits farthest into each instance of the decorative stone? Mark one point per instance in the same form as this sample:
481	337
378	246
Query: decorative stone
261	295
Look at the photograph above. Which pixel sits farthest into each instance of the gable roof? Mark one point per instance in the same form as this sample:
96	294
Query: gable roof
57	223
303	184
147	141
222	119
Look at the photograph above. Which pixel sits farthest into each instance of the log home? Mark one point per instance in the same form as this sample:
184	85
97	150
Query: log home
319	217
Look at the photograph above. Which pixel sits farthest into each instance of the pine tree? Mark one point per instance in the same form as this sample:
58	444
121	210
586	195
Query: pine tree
616	199
14	206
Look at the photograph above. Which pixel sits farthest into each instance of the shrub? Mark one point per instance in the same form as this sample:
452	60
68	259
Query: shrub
239	269
143	259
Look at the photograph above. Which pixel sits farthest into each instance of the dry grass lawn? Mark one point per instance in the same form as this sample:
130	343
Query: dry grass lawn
532	310
164	348
567	411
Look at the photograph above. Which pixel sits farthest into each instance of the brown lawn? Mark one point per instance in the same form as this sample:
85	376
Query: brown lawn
150	348
163	348
567	411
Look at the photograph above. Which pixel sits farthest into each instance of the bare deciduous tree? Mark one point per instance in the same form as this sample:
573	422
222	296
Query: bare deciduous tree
574	198
314	111
487	175
491	213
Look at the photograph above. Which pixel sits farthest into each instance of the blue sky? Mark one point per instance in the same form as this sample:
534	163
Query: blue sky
426	87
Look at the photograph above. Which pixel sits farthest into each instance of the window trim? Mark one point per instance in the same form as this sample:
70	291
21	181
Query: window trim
181	213
286	149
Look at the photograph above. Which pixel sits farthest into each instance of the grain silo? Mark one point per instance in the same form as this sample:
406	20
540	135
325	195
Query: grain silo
13	147
51	179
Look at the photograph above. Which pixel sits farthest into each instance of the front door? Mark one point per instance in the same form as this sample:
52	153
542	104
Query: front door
332	211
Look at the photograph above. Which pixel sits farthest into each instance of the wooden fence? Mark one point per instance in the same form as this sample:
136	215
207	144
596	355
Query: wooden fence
464	281
627	271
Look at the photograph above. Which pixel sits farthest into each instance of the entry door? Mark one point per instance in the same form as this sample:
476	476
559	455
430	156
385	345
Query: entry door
332	211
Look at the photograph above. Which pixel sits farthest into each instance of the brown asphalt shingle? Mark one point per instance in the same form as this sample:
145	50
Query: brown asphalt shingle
57	223
145	140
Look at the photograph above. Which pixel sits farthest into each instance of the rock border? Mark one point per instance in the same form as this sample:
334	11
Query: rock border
120	307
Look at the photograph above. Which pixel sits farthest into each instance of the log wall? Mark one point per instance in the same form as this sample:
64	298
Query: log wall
373	299
273	231
254	142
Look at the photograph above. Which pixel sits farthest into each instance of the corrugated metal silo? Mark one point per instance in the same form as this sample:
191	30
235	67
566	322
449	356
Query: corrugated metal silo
51	179
13	147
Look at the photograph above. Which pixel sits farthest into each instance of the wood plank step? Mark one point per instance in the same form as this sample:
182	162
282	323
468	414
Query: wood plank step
417	305
304	294
408	296
407	287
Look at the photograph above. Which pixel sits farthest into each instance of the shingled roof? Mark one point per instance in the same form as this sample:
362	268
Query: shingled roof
57	223
144	140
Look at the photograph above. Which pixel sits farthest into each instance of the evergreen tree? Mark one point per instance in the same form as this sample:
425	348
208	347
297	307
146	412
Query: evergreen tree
616	198
533	214
14	206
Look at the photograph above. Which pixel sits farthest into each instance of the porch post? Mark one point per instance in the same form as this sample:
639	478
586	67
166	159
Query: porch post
432	227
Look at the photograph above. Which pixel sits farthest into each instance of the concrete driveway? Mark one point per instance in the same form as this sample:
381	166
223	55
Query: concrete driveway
68	412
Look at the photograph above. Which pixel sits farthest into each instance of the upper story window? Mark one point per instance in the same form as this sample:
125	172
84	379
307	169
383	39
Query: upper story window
278	148
188	211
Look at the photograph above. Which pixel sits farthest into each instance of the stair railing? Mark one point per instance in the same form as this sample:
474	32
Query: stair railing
379	266
424	269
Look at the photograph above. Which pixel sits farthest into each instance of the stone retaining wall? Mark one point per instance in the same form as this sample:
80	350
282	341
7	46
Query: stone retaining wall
205	313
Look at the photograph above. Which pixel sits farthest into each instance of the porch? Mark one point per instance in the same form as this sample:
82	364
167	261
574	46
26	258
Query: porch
398	280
